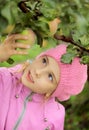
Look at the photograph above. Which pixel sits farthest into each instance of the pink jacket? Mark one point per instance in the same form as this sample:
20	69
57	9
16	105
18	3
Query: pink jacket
20	109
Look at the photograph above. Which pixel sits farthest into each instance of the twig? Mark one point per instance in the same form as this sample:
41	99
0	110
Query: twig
69	39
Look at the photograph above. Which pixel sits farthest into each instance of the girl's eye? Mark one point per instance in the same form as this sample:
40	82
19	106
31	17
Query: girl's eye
44	61
50	77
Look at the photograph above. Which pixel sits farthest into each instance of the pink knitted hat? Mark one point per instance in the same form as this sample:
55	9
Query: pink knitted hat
72	76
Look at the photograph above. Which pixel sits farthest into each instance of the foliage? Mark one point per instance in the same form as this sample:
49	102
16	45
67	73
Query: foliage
77	111
36	14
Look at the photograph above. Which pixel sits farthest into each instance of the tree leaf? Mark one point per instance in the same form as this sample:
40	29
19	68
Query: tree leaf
67	58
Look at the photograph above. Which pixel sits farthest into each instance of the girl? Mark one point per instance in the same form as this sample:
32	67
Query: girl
27	92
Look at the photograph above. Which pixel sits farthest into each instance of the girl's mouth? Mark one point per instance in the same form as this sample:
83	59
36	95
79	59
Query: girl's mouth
30	78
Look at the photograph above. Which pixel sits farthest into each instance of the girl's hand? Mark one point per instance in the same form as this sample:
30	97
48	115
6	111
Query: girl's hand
10	45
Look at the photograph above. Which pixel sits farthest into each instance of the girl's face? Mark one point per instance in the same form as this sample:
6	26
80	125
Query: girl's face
42	75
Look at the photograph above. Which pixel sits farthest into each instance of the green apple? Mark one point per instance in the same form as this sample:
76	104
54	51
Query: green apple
31	37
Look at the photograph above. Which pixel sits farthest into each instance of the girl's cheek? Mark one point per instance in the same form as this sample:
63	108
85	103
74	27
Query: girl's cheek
46	78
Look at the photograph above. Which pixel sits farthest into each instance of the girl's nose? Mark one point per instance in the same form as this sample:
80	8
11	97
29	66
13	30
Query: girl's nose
39	72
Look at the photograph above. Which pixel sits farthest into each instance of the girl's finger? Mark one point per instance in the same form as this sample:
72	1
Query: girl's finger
21	45
20	36
16	52
12	38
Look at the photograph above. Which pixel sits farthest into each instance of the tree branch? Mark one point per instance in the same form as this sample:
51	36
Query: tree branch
69	39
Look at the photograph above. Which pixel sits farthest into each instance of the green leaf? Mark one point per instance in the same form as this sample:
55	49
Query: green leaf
85	59
6	12
84	40
67	58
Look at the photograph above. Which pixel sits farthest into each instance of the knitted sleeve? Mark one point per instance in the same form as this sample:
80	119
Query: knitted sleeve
6	78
